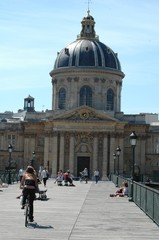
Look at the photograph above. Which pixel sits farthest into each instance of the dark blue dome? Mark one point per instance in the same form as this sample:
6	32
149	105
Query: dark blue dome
87	53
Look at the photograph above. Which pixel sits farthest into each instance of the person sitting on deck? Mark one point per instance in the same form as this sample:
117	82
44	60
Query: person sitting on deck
121	192
67	178
59	179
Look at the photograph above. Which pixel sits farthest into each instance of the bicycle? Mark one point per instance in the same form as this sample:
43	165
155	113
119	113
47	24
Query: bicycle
83	177
27	211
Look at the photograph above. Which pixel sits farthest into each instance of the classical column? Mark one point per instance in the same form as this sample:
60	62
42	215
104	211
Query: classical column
20	142
3	143
95	153
61	160
71	153
46	150
112	150
54	155
29	147
105	158
69	93
121	158
118	86
54	97
26	148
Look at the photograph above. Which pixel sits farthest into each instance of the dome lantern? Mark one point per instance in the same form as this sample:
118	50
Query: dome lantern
87	31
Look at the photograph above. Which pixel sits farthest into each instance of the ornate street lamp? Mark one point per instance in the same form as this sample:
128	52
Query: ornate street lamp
114	157
133	141
32	160
118	151
10	149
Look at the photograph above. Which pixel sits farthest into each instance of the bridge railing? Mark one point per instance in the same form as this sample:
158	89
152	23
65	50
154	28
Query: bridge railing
4	176
144	197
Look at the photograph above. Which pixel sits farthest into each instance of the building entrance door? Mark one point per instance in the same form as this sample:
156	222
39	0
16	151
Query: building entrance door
83	162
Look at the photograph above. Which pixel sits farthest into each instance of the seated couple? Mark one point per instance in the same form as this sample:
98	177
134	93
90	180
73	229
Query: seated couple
66	177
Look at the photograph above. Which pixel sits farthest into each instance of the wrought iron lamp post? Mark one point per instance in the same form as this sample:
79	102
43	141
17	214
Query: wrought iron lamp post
118	151
10	149
114	157
32	160
133	141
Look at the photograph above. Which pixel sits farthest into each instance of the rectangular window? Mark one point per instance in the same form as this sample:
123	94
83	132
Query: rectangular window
156	145
12	140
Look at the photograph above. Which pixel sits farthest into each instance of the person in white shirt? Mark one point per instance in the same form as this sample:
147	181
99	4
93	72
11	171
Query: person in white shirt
21	173
84	175
44	176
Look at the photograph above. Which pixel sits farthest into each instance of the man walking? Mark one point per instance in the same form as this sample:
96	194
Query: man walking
44	176
96	175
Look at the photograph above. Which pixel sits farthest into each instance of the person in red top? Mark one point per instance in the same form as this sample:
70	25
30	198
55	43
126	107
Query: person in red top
67	178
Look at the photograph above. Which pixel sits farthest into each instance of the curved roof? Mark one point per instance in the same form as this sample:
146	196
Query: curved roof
87	53
87	50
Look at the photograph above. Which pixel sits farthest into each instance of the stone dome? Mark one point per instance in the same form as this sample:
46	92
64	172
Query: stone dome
87	51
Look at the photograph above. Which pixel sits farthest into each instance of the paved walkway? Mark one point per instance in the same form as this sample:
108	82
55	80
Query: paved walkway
84	212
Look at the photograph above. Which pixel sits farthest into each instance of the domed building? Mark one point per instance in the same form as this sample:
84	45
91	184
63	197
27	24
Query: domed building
86	100
87	72
85	127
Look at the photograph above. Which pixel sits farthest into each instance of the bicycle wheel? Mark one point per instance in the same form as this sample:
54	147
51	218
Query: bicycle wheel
26	214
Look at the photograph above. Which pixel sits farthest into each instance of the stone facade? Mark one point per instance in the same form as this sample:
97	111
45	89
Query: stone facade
83	137
99	81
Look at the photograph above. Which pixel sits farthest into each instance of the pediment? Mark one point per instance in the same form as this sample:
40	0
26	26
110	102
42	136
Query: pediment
85	113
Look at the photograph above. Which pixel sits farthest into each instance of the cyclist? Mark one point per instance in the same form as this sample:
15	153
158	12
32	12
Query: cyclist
29	185
84	175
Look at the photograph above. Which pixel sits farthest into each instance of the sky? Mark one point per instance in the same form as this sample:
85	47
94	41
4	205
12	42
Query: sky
33	31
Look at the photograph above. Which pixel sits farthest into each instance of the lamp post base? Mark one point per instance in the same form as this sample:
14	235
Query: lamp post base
130	199
116	182
131	193
9	177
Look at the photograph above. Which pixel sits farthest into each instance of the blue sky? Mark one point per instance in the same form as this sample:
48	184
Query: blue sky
33	31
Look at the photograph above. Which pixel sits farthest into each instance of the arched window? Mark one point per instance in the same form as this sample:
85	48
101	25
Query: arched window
86	96
62	98
110	100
